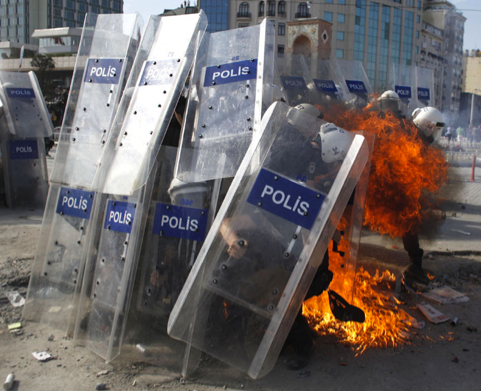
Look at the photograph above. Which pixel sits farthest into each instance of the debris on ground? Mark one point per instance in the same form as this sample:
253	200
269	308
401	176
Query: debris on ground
15	298
432	314
445	295
42	356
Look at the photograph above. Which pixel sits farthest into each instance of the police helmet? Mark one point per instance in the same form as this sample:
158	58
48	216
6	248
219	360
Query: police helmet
428	120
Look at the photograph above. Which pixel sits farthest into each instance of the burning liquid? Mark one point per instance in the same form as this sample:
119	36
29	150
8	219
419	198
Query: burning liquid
406	173
386	324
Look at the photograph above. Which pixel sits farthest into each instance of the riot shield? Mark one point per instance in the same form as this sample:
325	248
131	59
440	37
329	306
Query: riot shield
329	82
159	73
66	231
178	219
24	124
108	46
157	80
357	82
266	242
228	92
402	82
297	85
424	93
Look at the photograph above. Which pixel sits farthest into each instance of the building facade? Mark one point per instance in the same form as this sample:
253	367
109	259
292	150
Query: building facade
443	15
19	18
433	57
378	33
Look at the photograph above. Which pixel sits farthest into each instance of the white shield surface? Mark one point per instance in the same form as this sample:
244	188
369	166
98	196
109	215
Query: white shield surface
424	94
228	93
94	95
159	73
24	124
266	243
403	82
357	82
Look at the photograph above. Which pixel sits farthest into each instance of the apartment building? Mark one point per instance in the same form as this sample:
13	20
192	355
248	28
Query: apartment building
19	18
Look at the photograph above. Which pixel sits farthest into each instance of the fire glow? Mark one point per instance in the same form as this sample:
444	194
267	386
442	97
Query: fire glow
405	174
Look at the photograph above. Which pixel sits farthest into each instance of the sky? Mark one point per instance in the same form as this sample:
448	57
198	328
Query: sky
151	7
471	9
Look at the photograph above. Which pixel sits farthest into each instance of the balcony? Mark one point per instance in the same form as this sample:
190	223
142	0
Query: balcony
302	15
244	15
281	14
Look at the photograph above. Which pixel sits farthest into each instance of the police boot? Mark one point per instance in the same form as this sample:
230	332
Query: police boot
415	273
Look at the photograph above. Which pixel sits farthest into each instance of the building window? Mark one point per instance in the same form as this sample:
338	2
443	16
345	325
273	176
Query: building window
339	53
281	8
340	35
272	9
243	10
419	5
280	50
281	29
417	34
418	18
328	16
416	49
341	18
105	3
243	25
342	2
116	6
328	1
261	8
302	11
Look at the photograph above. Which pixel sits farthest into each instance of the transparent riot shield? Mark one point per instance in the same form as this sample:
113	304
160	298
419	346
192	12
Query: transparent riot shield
266	243
159	73
177	222
424	87
228	93
357	82
330	83
402	82
297	85
100	73
24	124
108	46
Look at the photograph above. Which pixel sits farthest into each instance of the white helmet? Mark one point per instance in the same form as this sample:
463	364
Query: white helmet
307	108
428	120
334	142
389	100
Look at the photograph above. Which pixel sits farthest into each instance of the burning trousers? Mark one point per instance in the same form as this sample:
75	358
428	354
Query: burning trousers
411	245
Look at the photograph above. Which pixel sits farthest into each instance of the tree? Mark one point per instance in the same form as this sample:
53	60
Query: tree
44	65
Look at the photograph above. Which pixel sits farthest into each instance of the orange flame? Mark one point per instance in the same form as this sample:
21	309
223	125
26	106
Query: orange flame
386	324
405	171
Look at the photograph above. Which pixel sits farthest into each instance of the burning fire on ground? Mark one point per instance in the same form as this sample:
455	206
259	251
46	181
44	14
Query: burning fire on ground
406	173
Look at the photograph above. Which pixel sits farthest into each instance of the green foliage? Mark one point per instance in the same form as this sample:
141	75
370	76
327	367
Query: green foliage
43	65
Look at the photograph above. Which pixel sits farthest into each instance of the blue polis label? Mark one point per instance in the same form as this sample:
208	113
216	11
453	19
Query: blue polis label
21	93
23	149
404	92
285	198
293	82
325	85
159	72
120	216
180	222
231	72
423	93
103	70
75	202
356	87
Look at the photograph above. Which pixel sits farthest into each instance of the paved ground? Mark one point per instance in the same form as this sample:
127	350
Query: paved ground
441	357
